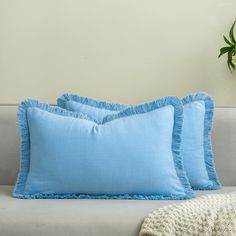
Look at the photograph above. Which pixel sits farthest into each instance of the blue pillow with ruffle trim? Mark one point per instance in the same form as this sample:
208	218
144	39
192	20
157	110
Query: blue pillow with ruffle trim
133	154
196	144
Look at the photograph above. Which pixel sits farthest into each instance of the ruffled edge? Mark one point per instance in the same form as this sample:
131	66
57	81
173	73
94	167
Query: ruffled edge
133	110
61	102
208	152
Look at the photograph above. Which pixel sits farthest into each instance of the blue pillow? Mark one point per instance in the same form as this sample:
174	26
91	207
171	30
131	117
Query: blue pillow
196	144
133	154
91	107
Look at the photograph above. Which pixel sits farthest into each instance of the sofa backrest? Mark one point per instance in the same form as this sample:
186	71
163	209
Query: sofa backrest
224	144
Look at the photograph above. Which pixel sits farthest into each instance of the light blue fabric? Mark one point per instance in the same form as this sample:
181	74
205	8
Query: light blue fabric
134	154
196	144
192	143
97	113
91	107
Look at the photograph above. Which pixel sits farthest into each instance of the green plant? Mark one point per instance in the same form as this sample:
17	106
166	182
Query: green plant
230	48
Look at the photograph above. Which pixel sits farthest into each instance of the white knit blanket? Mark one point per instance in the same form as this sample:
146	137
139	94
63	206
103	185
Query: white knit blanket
213	214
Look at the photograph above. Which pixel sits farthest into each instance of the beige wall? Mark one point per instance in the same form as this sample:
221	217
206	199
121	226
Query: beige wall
119	50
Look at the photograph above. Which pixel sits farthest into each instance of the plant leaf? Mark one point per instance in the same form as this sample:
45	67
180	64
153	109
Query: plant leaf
227	41
229	65
224	50
231	33
229	62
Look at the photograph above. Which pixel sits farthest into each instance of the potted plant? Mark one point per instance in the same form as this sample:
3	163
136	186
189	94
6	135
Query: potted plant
230	49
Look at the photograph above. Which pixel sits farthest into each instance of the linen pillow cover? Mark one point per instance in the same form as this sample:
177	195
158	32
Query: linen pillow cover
196	146
196	143
134	154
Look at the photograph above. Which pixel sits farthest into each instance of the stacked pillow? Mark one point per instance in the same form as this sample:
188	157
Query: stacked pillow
84	148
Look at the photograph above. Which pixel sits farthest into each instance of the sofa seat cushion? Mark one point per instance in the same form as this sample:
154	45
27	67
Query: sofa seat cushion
85	217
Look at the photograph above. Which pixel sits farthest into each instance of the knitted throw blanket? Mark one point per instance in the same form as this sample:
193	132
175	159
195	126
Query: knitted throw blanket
208	215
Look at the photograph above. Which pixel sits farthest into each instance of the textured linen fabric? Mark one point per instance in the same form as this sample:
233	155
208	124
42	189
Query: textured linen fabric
98	113
128	155
196	142
196	146
209	215
192	145
94	108
223	138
